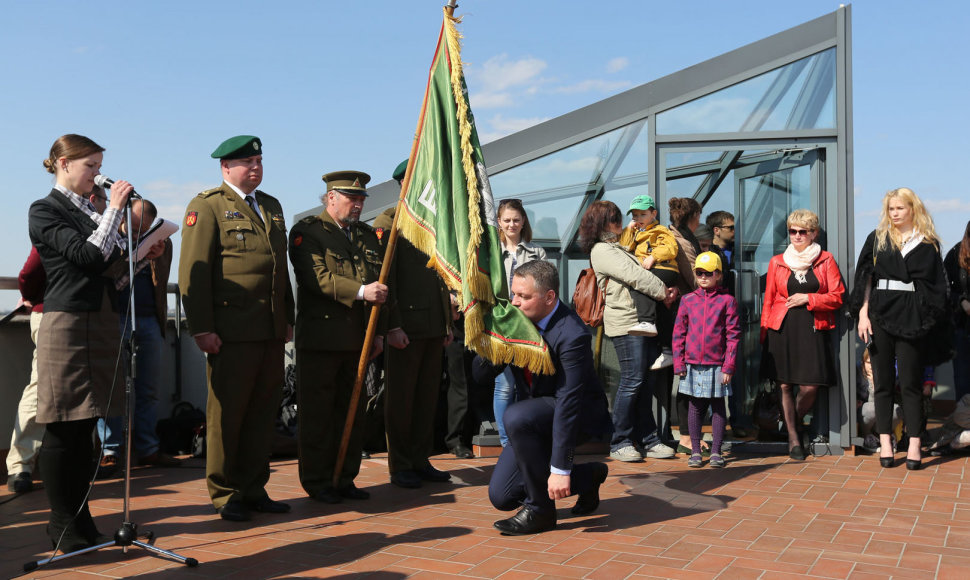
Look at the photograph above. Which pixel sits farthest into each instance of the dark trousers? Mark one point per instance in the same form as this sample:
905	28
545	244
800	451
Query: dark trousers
325	382
522	472
894	356
66	460
645	306
461	406
413	381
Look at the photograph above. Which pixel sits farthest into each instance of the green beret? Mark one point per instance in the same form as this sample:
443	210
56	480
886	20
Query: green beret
350	182
399	171
238	147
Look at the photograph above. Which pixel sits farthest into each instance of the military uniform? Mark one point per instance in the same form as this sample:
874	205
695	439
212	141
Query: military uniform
413	374
330	269
234	282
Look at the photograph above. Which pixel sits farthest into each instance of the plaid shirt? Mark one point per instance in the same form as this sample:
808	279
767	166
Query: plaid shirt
106	237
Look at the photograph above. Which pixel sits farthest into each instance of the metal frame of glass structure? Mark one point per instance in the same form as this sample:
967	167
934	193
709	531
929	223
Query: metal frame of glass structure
758	131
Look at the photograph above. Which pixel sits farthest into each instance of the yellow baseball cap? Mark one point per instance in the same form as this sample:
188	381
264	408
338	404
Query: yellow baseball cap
708	261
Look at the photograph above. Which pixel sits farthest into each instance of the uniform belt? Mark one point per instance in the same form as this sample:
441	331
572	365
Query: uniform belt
895	285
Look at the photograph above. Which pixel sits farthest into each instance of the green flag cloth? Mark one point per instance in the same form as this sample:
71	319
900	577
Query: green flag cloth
448	213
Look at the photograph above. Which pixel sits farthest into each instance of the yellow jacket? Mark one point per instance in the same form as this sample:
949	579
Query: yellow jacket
656	241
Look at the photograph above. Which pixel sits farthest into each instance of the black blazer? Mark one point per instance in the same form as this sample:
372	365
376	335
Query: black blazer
581	407
59	230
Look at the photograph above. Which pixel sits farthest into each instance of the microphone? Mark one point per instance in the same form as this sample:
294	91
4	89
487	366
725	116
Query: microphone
106	183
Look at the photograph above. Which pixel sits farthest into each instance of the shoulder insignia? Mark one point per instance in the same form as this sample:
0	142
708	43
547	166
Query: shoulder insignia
210	192
191	218
380	233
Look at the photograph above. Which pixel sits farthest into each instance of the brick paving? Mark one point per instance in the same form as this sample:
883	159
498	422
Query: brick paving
761	517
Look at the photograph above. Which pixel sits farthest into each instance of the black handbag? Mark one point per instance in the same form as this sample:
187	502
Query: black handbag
766	413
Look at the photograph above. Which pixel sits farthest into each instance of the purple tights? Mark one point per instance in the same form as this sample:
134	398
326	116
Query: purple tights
695	419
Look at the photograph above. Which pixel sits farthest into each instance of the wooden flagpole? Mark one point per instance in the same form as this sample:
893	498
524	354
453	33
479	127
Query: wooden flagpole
385	270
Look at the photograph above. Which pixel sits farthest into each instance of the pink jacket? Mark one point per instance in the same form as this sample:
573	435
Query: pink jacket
823	304
707	330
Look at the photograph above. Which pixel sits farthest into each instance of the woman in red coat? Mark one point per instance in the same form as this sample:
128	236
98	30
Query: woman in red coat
802	293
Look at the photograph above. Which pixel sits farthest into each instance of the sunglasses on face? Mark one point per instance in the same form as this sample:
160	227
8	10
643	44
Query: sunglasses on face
703	274
794	232
730	227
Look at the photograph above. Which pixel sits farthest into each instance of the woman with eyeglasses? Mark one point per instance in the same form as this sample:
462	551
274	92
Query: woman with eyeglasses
900	296
803	291
515	234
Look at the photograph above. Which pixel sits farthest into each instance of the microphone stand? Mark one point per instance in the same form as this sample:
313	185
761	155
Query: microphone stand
127	534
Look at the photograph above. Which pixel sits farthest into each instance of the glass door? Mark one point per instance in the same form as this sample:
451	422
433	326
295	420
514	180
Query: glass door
765	193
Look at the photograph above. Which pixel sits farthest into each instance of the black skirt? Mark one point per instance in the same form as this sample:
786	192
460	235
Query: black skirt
797	353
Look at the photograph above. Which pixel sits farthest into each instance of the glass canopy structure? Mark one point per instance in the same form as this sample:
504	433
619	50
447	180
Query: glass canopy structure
759	131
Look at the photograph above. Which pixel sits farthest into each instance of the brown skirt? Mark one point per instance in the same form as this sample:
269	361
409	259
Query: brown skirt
77	354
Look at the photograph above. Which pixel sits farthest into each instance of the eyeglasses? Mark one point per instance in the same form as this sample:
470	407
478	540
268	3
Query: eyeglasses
703	273
794	232
730	227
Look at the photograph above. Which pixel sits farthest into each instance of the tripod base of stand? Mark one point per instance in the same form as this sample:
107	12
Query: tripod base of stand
127	535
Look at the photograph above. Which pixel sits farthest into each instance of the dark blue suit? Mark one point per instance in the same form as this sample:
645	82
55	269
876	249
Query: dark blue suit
550	418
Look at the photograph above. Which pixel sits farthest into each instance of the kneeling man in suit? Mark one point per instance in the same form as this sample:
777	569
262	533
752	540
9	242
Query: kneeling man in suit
553	414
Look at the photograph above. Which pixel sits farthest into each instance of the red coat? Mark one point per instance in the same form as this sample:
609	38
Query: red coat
823	304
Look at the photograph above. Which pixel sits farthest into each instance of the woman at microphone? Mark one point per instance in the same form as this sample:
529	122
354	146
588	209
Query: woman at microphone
77	344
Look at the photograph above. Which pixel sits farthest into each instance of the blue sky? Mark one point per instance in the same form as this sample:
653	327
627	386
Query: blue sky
331	86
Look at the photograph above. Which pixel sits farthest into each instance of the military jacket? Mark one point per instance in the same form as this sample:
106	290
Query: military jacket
232	271
421	297
330	269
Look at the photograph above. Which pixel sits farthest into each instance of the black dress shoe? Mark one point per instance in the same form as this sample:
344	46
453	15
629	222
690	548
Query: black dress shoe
589	501
20	483
351	491
914	464
328	495
268	506
235	511
364	455
462	452
797	452
406	479
429	473
887	461
527	521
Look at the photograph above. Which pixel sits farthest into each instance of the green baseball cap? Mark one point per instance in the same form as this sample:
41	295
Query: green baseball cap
642	203
238	147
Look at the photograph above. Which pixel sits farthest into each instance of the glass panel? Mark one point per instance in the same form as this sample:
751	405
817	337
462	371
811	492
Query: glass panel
768	193
553	188
799	95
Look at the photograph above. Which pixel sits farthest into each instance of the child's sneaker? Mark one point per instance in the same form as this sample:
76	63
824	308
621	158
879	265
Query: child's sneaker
695	461
716	461
643	329
666	359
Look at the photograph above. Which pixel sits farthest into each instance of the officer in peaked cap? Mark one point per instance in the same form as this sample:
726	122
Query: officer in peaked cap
337	262
239	305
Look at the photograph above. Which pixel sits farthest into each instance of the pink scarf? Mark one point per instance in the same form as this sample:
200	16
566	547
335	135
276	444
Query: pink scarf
800	262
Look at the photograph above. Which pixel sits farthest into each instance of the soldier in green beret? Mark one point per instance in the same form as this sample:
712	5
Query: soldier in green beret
413	363
337	262
239	305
